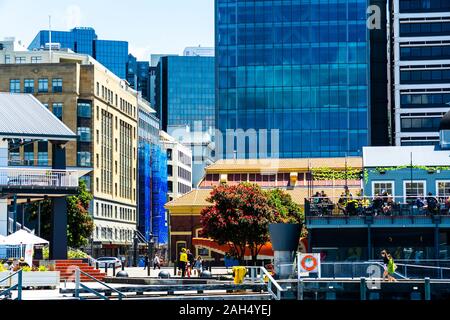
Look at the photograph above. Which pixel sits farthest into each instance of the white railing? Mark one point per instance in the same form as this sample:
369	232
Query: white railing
257	274
25	177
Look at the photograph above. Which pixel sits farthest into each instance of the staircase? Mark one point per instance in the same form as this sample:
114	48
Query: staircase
67	270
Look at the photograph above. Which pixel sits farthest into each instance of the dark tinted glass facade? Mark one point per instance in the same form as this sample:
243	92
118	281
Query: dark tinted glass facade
140	71
112	54
185	91
298	66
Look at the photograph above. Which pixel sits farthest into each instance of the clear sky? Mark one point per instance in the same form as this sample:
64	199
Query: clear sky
150	26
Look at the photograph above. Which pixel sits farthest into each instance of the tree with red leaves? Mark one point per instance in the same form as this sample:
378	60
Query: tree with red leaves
239	216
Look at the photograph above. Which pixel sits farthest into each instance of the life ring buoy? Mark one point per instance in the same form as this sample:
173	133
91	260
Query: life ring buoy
309	263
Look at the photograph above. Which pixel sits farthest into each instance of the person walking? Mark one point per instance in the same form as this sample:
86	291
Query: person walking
391	267
183	262
145	262
156	262
198	266
191	261
384	255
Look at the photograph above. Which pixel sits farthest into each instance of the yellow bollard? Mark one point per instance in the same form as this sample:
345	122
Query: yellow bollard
239	274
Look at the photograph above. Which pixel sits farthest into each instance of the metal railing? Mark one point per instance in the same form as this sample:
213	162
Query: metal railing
79	286
12	251
323	206
18	225
27	177
257	274
17	286
414	271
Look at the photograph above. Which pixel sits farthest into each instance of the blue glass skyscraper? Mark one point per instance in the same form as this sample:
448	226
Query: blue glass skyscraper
185	91
111	53
299	66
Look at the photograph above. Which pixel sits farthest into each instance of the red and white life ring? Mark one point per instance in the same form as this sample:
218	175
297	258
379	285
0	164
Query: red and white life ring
309	263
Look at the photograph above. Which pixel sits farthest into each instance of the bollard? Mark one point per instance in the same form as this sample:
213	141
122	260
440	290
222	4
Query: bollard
106	269
114	269
96	265
210	267
363	289
427	289
174	269
300	289
123	266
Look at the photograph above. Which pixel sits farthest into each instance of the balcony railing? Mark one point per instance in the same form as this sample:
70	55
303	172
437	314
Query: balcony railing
24	177
376	211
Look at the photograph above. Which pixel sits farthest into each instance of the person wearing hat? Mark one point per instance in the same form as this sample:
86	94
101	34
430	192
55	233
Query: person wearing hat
22	263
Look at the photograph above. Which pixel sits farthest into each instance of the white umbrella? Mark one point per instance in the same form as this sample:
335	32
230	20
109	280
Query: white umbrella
24	237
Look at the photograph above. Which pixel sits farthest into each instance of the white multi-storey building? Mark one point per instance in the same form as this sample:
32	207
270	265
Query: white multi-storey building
421	69
179	166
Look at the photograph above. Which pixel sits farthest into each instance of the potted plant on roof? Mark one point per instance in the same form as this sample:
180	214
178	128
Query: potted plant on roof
287	221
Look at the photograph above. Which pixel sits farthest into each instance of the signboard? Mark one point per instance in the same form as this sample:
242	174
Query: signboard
309	262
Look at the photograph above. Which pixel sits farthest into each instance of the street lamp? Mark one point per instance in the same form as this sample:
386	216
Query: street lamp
150	245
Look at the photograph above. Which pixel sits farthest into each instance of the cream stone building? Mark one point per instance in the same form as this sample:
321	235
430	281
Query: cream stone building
102	109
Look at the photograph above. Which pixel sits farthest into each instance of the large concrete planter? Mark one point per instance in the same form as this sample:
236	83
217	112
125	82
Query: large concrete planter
284	236
33	279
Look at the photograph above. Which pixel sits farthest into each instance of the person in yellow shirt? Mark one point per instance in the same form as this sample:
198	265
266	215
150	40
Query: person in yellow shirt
183	262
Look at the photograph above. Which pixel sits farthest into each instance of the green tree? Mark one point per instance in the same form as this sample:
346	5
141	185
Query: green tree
285	209
80	224
239	216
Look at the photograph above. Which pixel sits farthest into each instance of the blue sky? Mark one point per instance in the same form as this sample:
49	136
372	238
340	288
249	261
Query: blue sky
150	26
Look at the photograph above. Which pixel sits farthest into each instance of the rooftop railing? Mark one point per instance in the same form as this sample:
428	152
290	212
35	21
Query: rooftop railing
26	177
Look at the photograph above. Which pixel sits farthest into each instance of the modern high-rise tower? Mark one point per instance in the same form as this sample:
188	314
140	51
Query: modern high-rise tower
302	68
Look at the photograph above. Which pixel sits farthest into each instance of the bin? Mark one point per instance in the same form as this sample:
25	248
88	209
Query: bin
239	274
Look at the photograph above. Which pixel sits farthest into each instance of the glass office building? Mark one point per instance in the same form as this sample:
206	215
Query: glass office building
302	67
140	71
185	91
112	54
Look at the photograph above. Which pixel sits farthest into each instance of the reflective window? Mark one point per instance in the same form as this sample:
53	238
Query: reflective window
84	110
29	85
84	134
14	86
84	159
57	85
58	110
43	85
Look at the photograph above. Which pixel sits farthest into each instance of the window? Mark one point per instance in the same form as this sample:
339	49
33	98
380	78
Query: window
84	110
7	59
379	186
84	159
29	86
57	85
443	189
21	60
413	190
43	85
14	86
42	159
36	59
84	134
28	157
58	110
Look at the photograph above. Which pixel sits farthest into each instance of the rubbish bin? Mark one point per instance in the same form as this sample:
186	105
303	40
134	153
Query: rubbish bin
239	274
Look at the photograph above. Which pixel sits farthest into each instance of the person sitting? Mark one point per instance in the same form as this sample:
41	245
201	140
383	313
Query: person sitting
432	204
342	203
447	206
377	205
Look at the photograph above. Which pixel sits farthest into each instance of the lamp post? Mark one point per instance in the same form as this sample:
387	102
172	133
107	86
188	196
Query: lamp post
150	245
